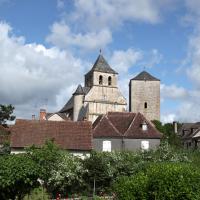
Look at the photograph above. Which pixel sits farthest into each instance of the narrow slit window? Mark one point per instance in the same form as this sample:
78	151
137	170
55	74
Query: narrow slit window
109	80
100	80
145	105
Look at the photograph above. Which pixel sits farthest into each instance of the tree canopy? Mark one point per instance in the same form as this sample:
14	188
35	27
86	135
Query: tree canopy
6	113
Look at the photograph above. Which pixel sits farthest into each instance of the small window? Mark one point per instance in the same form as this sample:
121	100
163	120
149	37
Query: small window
144	126
107	146
145	105
100	80
109	80
145	145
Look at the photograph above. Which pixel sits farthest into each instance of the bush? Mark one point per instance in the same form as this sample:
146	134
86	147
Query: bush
163	181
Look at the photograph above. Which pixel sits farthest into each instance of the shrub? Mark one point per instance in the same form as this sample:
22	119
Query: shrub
163	181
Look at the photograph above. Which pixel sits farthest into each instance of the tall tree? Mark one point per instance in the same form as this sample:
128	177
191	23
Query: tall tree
6	114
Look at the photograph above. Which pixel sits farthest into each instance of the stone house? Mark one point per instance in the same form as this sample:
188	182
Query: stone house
124	131
190	135
75	137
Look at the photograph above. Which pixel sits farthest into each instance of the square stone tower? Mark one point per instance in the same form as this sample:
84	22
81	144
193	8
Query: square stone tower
144	95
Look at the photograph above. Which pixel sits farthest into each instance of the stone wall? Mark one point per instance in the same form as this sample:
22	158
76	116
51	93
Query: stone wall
145	91
128	144
102	99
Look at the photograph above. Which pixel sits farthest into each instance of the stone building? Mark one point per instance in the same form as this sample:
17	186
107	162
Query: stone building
190	135
118	131
99	95
144	95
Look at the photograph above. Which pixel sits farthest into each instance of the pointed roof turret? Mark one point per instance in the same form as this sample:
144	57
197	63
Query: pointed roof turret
101	65
145	76
79	90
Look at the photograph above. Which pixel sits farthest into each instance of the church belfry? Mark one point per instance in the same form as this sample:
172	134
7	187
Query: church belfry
144	95
101	74
98	96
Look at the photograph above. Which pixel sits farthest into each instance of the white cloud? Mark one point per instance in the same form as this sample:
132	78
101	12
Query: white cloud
111	13
32	74
173	92
168	118
62	36
122	61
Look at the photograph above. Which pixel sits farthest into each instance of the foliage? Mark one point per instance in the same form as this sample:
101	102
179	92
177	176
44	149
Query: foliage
37	194
47	158
165	152
6	113
168	133
18	176
68	175
99	169
5	148
163	181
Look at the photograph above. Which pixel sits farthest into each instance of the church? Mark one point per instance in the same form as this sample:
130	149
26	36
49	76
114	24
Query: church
101	94
96	116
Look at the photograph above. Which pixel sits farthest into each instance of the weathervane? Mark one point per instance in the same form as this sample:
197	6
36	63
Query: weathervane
100	51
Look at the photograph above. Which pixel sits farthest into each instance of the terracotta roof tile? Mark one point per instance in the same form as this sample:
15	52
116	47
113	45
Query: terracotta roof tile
135	130
124	124
121	120
67	134
105	128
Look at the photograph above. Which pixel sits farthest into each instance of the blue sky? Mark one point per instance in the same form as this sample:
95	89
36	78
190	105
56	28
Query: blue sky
48	45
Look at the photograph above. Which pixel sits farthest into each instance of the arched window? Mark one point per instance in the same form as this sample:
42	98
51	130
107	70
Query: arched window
100	80
109	80
145	105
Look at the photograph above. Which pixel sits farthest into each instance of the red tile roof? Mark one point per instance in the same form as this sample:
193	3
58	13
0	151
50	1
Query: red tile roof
125	124
67	134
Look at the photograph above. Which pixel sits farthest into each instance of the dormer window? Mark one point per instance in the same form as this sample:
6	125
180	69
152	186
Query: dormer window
144	126
145	105
109	80
100	80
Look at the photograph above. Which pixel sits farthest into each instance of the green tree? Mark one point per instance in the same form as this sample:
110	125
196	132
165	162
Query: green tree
47	158
101	170
168	133
18	176
67	178
163	181
6	114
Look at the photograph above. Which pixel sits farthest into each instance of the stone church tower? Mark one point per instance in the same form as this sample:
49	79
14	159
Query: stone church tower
144	95
99	95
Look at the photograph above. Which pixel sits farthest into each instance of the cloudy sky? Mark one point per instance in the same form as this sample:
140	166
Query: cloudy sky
47	46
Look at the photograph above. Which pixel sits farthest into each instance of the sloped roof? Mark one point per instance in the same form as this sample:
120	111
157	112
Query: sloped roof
101	65
188	130
135	129
67	134
145	76
79	90
107	126
126	125
69	105
62	115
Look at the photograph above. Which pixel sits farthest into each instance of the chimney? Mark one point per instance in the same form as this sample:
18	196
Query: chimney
42	114
175	127
33	117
